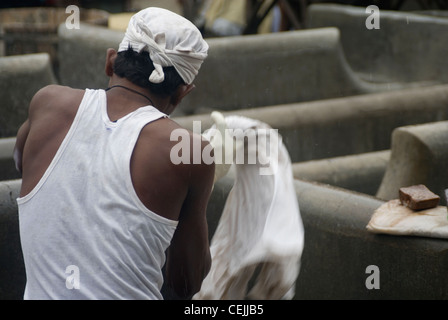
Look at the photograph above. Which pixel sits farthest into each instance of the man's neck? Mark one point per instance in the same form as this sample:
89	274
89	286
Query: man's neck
139	94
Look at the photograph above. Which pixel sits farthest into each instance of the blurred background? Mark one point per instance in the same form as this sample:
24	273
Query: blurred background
31	26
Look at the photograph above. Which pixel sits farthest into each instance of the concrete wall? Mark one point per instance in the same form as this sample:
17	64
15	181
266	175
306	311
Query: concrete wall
240	72
82	55
406	48
419	156
20	78
338	248
344	126
270	69
7	166
361	173
12	269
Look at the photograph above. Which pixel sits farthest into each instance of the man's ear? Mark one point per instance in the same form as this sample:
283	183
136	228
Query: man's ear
111	55
181	92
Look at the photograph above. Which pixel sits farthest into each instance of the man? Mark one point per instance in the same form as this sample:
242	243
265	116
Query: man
101	203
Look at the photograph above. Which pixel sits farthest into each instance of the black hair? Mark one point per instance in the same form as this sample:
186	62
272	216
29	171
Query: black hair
137	67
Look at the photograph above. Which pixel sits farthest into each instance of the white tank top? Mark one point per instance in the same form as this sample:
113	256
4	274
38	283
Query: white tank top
85	233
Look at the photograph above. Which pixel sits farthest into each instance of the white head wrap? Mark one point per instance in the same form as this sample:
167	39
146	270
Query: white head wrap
170	39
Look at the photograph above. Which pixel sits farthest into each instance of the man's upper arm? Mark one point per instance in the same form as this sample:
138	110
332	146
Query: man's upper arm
189	254
22	133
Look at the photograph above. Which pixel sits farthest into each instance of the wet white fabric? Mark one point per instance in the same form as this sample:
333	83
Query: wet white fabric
395	219
170	39
85	234
221	142
257	247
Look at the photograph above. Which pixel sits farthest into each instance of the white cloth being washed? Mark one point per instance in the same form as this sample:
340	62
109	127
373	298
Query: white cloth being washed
257	247
396	219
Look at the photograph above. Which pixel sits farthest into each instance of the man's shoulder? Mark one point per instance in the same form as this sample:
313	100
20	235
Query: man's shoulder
169	128
58	90
58	94
195	140
176	140
54	99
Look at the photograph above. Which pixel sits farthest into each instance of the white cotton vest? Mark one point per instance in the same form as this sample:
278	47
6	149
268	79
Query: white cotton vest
85	233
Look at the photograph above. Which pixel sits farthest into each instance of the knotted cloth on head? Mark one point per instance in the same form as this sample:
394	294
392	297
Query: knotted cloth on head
170	39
